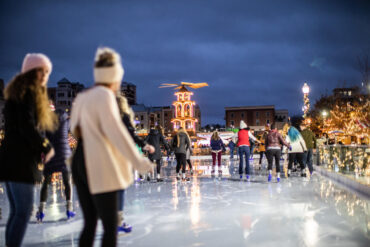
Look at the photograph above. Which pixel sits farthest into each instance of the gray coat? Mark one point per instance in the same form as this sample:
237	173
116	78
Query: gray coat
184	143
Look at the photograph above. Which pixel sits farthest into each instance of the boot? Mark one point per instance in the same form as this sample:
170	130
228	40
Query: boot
40	213
159	178
70	214
122	226
270	176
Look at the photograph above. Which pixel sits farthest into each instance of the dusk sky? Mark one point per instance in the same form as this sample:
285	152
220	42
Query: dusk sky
250	52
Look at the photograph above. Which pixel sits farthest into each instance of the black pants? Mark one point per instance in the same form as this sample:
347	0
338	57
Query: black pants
189	163
94	206
261	156
158	162
271	154
298	157
47	181
181	162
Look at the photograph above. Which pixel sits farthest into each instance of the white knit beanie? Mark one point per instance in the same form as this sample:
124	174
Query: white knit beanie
113	74
243	125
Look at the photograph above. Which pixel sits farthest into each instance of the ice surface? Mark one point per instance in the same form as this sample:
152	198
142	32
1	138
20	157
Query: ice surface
218	212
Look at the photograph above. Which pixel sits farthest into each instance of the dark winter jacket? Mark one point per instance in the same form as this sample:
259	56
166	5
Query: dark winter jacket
155	138
23	144
59	140
309	138
274	140
180	148
131	129
217	145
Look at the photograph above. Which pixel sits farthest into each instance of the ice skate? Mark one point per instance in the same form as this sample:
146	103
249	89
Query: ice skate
124	228
39	216
70	214
191	172
269	178
278	178
289	171
159	179
248	179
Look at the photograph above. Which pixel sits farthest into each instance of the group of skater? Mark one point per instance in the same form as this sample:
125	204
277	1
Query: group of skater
35	146
298	145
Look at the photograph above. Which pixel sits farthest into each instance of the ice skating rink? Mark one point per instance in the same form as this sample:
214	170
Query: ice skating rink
213	212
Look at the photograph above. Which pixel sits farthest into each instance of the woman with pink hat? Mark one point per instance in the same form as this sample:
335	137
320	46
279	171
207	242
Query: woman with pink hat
27	114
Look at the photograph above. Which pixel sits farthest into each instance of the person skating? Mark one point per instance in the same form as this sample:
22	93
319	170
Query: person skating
189	152
274	142
27	114
243	145
310	140
179	144
232	145
105	155
298	147
127	117
59	139
252	143
262	148
156	139
217	147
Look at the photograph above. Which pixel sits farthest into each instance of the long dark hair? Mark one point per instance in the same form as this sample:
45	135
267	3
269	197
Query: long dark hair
27	82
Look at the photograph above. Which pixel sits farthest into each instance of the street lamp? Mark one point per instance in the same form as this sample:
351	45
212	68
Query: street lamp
306	101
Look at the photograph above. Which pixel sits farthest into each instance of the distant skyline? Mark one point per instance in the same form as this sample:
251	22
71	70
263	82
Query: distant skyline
250	52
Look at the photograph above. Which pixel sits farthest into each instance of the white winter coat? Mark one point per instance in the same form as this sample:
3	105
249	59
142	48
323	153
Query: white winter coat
298	146
110	152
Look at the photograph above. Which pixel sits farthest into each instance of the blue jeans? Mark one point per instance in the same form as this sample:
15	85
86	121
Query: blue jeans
231	146
244	150
121	200
307	159
20	196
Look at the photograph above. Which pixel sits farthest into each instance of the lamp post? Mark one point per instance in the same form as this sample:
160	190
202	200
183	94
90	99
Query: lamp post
324	115
306	101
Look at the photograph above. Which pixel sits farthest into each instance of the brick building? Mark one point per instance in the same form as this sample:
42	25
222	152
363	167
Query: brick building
256	117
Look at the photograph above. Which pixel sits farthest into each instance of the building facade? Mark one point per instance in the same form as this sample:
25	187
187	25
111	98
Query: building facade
2	103
64	94
129	91
281	118
148	117
256	117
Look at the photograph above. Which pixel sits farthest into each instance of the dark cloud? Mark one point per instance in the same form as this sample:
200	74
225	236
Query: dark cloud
250	52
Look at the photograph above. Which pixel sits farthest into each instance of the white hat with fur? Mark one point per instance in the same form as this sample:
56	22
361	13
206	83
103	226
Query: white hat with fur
111	74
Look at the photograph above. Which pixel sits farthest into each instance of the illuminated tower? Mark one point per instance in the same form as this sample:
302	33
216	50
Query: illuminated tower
184	110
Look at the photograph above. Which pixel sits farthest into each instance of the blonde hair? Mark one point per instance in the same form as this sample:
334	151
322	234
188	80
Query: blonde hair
215	136
181	130
46	120
125	108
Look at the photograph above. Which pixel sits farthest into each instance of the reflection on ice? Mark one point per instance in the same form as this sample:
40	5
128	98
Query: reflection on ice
219	212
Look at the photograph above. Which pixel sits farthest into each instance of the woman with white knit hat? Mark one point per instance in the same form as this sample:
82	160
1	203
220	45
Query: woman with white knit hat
244	148
106	154
27	115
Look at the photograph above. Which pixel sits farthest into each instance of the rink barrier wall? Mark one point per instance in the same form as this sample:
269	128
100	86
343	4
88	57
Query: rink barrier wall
346	182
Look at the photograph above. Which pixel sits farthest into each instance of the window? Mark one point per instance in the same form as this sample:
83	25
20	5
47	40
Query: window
232	122
158	115
349	93
267	114
268	121
142	126
165	114
257	122
60	94
232	115
257	114
141	117
242	115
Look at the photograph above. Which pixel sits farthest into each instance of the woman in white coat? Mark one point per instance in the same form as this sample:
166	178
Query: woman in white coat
298	147
106	153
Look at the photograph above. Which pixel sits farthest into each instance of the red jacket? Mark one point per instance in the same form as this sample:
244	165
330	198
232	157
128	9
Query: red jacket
243	138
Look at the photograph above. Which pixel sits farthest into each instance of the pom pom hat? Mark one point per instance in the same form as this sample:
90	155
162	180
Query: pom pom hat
111	74
36	60
243	125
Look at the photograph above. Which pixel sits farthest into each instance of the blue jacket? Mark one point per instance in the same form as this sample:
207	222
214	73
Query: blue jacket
59	140
217	145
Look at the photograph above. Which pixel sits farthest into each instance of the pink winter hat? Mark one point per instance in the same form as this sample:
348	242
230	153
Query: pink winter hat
36	60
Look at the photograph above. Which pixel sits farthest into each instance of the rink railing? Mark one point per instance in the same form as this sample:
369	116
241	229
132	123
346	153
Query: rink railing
347	159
